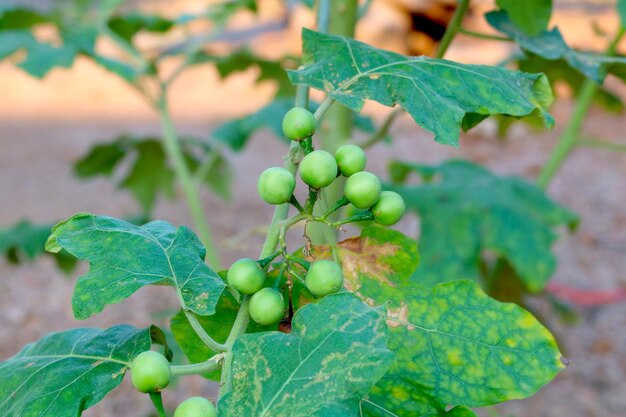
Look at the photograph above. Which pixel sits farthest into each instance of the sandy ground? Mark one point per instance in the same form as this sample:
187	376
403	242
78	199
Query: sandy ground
45	125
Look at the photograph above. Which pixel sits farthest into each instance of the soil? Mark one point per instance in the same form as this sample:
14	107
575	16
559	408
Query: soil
46	125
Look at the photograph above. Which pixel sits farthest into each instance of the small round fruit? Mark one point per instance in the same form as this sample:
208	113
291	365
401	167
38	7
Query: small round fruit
267	306
150	371
246	276
350	159
324	277
299	123
318	169
276	185
195	407
363	189
389	209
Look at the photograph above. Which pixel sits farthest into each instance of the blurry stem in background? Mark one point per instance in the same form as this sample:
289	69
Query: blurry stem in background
190	187
382	131
486	36
336	128
569	139
453	28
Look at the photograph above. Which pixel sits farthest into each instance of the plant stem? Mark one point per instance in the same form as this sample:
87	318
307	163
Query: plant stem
198	368
486	36
383	129
453	28
323	15
157	400
202	334
336	130
569	138
190	188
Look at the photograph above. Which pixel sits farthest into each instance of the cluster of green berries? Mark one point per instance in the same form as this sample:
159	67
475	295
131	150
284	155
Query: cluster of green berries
267	305
150	372
319	169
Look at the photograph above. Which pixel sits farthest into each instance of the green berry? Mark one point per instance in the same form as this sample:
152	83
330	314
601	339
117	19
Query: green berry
324	277
276	185
299	123
246	276
350	159
389	209
318	169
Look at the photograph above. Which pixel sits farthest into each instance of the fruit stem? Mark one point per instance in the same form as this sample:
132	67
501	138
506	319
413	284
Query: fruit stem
202	334
190	188
157	400
453	28
210	365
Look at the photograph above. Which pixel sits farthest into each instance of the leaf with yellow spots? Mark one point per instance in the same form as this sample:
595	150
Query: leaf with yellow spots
124	257
379	261
395	396
67	372
336	352
467	213
455	345
442	96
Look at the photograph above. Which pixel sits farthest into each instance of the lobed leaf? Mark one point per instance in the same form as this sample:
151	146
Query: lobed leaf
26	240
551	45
531	16
466	211
150	174
67	372
124	257
335	353
438	94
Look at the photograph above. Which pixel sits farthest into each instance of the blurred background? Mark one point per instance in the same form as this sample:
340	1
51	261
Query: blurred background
51	122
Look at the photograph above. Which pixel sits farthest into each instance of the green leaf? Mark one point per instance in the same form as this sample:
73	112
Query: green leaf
531	16
560	72
336	351
102	159
43	57
130	24
218	326
467	211
621	10
124	258
437	93
150	174
237	132
396	396
243	60
122	69
20	18
27	241
65	373
450	350
471	349
551	45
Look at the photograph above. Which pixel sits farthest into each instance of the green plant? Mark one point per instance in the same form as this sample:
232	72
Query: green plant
391	343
